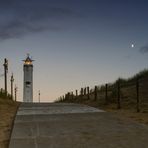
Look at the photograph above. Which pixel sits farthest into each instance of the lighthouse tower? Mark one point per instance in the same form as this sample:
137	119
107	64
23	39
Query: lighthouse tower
28	80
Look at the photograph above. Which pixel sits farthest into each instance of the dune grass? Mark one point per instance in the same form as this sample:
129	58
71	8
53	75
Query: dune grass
128	97
8	110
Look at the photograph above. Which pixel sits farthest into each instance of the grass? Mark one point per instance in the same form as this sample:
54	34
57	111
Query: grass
128	97
141	117
8	110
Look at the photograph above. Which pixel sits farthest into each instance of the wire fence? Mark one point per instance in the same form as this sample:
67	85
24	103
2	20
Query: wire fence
132	93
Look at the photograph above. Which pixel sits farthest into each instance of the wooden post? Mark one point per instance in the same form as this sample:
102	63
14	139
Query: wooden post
137	92
61	99
88	96
68	95
39	93
12	80
82	91
85	91
76	93
5	73
65	96
106	93
95	93
15	89
72	95
119	99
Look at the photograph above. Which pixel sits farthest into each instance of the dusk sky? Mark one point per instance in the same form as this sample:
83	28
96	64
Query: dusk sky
75	43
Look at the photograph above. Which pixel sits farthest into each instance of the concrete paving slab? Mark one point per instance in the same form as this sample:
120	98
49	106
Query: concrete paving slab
54	108
23	143
67	129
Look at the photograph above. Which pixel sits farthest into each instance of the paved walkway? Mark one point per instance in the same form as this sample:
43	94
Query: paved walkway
74	126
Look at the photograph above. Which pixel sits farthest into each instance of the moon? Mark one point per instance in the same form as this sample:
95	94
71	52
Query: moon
132	45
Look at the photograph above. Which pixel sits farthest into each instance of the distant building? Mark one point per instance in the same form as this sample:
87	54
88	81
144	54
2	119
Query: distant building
28	80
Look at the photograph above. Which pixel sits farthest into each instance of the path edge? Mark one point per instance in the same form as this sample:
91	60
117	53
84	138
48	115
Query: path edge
12	126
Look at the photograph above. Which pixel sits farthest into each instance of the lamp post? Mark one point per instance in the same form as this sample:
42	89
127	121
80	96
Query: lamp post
5	73
15	89
39	96
12	80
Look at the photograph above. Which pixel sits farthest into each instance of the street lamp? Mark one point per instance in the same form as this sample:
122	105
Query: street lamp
12	80
5	73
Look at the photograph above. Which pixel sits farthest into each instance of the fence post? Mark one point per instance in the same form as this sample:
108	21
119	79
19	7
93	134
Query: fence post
106	95
81	92
95	93
72	95
137	93
76	93
88	93
59	98
119	99
68	95
65	96
85	91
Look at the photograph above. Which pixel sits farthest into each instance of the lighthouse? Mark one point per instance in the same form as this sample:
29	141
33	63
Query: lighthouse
28	80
